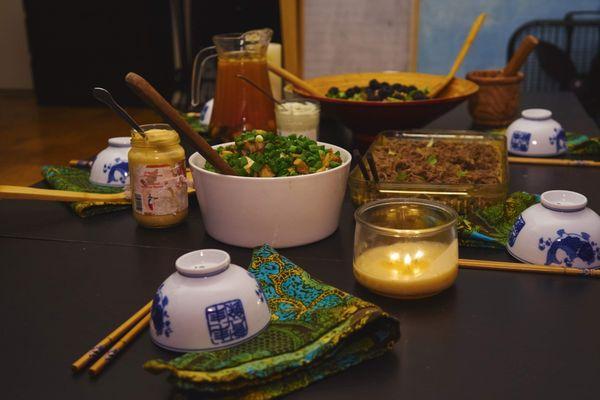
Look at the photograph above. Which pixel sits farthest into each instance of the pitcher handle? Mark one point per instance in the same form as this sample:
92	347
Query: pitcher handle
197	72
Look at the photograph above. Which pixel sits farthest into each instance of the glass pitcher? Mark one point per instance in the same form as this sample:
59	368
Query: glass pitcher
238	107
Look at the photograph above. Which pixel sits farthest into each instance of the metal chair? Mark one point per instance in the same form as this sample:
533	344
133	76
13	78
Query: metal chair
566	53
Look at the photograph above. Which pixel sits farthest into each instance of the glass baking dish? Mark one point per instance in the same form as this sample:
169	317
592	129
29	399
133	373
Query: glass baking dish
463	196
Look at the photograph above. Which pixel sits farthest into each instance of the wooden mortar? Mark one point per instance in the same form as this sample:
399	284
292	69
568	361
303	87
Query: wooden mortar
497	101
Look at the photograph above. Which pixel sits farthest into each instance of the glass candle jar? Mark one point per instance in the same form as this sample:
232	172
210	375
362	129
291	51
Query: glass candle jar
298	117
405	248
157	174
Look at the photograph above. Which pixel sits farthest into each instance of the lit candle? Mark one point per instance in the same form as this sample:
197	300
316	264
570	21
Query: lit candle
412	269
274	57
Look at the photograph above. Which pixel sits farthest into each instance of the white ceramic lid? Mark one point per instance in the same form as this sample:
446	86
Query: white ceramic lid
536	113
563	200
203	262
122	141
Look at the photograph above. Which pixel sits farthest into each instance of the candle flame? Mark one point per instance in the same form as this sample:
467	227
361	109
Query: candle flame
419	254
394	256
407	259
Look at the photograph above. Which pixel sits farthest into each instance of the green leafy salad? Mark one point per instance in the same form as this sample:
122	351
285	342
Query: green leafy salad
259	153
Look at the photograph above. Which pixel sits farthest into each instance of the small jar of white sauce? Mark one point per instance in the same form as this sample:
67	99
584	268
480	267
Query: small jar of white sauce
298	117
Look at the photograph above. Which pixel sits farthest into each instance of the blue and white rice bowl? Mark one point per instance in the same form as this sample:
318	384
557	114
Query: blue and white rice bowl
207	304
560	230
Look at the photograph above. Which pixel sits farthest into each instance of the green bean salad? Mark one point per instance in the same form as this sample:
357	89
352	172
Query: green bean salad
260	153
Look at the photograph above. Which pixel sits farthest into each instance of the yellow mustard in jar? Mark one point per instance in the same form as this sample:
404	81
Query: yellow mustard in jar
157	175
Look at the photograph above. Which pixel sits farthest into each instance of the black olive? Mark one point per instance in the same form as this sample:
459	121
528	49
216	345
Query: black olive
418	95
333	91
374	84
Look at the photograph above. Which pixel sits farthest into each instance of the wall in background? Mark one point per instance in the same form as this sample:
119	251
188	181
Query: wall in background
15	68
444	25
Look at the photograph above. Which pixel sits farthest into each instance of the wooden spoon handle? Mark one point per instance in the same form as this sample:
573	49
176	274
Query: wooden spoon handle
288	76
517	60
146	92
461	55
29	193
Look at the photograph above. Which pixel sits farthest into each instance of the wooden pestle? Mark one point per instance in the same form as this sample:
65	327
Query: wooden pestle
146	92
520	56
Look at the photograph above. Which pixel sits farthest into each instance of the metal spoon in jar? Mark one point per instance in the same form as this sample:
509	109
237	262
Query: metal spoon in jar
270	96
105	97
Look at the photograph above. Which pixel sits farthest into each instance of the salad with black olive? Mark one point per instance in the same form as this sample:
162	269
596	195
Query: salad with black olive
379	91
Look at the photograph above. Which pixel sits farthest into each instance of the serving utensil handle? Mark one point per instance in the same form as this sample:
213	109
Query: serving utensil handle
146	92
288	76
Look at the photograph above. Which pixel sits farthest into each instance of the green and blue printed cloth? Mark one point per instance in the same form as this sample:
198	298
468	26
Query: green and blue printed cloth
78	180
316	331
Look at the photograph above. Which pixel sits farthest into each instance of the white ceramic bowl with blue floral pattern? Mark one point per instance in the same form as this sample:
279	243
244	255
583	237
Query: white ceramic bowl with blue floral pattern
207	304
536	134
560	230
110	168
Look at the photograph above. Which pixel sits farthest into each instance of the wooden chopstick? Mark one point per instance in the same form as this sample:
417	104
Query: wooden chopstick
99	365
554	161
522	267
102	345
29	193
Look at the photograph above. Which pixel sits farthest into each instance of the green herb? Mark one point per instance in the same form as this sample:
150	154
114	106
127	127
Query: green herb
261	153
401	177
432	160
460	173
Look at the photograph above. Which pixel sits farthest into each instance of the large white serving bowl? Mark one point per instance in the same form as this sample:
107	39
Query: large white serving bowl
207	304
560	230
280	211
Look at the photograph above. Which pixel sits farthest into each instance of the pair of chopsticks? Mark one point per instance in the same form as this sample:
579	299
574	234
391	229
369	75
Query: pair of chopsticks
117	340
522	267
554	161
363	168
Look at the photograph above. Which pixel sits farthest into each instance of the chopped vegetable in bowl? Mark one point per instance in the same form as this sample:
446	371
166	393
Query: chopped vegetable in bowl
264	154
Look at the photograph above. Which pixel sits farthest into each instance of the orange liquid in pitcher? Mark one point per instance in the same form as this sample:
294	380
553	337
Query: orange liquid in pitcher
239	107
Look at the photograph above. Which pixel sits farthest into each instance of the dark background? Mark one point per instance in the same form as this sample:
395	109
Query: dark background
76	45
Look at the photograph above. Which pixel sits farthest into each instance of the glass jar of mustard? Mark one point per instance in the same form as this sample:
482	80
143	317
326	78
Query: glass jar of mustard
157	175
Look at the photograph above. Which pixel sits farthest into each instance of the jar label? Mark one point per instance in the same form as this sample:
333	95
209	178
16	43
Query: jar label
160	189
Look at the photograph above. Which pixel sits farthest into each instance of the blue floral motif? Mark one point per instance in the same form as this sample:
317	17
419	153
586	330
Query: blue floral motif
294	287
259	293
559	139
568	247
268	268
226	321
516	229
117	172
519	141
159	315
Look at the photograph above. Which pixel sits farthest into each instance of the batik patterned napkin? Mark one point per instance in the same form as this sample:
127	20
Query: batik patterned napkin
78	180
316	330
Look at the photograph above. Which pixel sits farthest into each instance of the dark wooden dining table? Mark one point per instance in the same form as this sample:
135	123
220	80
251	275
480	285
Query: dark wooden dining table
67	281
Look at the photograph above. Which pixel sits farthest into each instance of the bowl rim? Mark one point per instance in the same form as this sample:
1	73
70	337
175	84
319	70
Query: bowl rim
406	232
345	154
388	104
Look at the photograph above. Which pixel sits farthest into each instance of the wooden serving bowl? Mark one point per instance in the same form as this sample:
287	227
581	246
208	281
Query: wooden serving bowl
367	118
